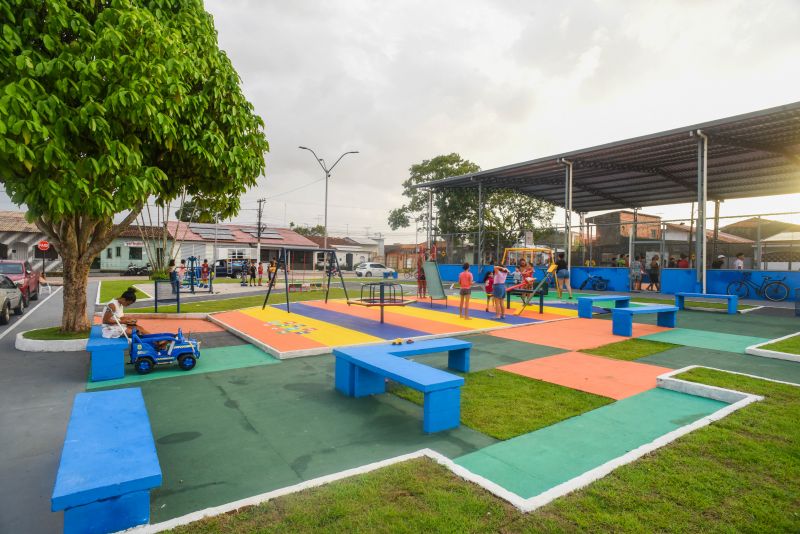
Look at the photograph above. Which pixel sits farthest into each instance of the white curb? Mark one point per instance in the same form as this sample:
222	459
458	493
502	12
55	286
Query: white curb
53	345
756	350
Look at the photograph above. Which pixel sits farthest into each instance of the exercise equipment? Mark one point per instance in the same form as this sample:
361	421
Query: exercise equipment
331	265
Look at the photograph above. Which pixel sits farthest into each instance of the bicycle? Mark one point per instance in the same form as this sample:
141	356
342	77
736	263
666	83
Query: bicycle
408	274
596	283
774	290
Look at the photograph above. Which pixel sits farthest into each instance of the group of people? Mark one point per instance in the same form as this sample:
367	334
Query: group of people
495	284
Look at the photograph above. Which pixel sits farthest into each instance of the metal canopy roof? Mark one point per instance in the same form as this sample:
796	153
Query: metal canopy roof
750	155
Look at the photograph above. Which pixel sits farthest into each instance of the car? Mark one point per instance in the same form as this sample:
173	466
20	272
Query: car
10	299
22	274
369	269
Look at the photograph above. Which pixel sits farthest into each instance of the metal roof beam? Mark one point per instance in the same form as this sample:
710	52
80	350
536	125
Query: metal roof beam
752	145
611	166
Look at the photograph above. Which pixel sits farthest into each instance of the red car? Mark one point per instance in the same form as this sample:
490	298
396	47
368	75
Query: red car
22	274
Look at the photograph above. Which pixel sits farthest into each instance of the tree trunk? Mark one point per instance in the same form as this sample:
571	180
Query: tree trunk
76	277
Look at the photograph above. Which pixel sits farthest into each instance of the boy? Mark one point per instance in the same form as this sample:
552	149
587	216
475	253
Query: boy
260	272
465	284
738	263
252	270
204	270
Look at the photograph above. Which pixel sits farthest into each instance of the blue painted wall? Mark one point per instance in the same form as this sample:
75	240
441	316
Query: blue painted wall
675	280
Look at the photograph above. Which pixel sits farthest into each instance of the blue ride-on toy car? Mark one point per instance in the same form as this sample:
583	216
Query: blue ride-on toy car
148	351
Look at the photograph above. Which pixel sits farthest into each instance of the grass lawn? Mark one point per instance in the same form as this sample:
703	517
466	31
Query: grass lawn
790	345
690	303
238	303
630	349
111	289
54	333
504	405
739	474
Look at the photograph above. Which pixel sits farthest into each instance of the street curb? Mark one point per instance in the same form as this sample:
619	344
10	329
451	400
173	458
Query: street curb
55	345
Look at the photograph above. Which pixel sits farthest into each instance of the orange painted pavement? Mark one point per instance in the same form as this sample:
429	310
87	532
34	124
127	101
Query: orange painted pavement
256	329
616	379
157	326
573	334
374	313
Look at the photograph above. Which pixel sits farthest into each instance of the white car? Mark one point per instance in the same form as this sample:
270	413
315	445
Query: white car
372	269
10	299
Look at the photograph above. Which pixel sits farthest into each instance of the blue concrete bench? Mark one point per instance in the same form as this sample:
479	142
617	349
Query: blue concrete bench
586	304
108	463
733	300
622	318
108	355
361	371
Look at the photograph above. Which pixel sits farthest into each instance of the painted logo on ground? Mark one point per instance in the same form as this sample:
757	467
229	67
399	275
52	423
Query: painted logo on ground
289	327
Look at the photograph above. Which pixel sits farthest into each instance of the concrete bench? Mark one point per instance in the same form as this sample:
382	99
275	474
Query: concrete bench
586	304
622	318
361	371
733	300
107	355
108	463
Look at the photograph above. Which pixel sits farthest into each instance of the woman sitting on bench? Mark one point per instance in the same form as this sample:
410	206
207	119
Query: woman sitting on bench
115	324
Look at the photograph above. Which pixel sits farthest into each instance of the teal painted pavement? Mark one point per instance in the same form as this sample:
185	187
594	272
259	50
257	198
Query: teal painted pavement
530	464
706	340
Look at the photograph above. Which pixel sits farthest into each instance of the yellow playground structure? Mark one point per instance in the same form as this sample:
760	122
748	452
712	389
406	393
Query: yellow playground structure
535	256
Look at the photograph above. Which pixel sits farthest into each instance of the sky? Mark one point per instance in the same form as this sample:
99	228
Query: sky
497	82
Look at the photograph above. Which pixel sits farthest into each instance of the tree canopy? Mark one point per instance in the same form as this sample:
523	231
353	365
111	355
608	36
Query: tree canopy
456	210
108	104
308	231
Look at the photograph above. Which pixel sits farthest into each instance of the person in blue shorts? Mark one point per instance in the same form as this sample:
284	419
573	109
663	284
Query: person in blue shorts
499	291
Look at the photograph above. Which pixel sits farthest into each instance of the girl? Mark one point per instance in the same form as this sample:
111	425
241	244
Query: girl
115	324
182	272
260	272
173	276
562	276
465	284
489	288
499	291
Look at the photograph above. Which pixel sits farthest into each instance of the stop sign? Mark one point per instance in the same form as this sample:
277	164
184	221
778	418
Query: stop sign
43	245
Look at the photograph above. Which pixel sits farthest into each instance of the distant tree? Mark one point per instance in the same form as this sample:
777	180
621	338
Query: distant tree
308	231
456	210
108	105
195	210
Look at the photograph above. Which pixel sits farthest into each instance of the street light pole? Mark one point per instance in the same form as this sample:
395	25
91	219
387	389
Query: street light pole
327	172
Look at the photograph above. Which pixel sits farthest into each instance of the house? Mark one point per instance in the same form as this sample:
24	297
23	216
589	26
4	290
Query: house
676	240
18	240
349	252
129	250
781	252
756	228
403	256
613	229
239	241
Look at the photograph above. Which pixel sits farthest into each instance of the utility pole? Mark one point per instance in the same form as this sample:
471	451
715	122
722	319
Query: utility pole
260	228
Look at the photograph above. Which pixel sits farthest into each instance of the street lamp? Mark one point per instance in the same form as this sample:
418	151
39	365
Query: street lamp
327	171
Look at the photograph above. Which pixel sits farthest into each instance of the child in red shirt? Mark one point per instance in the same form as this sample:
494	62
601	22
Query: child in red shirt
489	287
465	284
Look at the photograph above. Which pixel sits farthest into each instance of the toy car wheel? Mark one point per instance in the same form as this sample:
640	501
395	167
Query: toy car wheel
144	365
187	362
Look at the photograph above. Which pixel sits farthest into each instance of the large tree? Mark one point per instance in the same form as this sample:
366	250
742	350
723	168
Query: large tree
456	210
308	231
108	104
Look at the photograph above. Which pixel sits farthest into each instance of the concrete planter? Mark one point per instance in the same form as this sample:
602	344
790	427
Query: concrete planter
56	345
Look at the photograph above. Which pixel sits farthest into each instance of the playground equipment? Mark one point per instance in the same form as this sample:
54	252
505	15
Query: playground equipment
148	351
434	282
534	256
331	269
381	294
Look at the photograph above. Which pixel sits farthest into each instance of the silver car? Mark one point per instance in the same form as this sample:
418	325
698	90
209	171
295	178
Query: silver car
10	299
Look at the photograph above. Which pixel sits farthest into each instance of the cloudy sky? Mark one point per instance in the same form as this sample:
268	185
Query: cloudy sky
497	82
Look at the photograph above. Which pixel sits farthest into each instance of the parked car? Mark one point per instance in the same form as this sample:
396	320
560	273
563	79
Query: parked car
22	274
232	268
372	269
10	299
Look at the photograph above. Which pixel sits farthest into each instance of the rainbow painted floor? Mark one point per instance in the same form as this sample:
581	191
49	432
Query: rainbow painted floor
316	327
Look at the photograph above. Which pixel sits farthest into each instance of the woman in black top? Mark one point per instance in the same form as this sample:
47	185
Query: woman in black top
562	275
653	271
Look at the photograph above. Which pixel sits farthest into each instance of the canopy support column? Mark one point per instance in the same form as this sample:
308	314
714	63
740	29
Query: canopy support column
480	227
567	211
716	230
429	226
702	196
631	249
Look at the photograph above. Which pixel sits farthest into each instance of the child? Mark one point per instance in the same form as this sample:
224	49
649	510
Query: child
252	270
243	274
489	287
181	272
260	272
465	284
204	270
499	291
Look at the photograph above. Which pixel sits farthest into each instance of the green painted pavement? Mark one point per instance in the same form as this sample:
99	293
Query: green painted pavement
489	352
210	361
234	434
740	363
533	463
706	340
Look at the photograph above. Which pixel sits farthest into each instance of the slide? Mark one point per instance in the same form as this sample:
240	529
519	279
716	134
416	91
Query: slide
434	281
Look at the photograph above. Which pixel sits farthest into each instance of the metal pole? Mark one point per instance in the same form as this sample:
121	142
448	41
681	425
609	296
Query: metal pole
567	211
259	229
429	229
582	218
702	183
716	230
631	237
758	264
480	227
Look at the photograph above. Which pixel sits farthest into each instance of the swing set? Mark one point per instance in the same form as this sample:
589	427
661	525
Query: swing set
284	262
